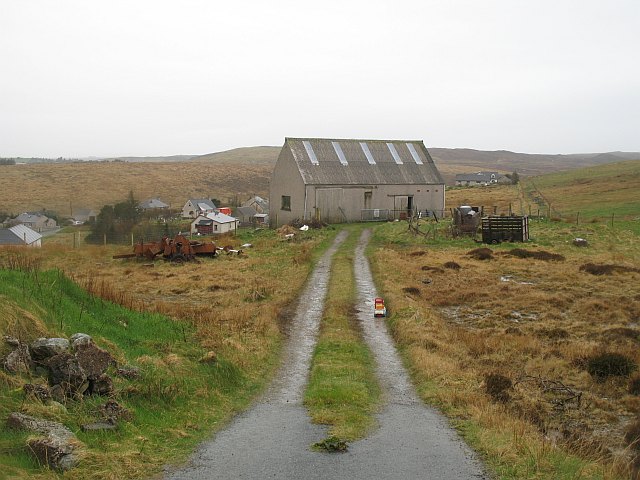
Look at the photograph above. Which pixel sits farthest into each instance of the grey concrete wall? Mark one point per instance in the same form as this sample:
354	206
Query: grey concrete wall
285	180
425	197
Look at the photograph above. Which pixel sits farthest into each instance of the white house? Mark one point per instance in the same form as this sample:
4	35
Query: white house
197	206
214	223
20	235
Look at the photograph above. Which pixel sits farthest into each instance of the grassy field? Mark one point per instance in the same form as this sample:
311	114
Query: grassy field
343	391
175	314
595	192
505	346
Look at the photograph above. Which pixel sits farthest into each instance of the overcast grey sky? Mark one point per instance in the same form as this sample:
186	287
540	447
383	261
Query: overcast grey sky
156	77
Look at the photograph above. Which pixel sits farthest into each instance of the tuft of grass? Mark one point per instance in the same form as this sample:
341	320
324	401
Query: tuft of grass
343	391
610	364
331	444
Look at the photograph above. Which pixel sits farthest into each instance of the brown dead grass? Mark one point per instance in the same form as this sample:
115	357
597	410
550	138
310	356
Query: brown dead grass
515	319
234	302
60	187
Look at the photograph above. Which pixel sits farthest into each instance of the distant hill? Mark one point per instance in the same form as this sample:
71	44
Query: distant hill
244	155
172	158
450	161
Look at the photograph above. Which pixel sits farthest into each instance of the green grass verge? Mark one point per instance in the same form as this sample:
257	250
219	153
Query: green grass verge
175	405
343	391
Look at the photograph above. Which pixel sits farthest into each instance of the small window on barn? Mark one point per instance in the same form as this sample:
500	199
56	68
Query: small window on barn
286	203
215	228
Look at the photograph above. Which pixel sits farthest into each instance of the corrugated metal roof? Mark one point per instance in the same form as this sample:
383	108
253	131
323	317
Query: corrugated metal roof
7	237
221	218
327	169
153	203
25	234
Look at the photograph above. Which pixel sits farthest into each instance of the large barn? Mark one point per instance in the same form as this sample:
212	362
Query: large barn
337	181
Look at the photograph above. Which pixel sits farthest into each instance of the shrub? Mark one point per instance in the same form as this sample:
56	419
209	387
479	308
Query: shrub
452	265
634	385
610	364
411	290
481	253
496	385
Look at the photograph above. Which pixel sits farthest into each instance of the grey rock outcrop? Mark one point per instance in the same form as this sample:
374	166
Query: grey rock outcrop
65	370
78	339
128	372
41	392
58	447
103	385
19	361
11	341
93	360
45	348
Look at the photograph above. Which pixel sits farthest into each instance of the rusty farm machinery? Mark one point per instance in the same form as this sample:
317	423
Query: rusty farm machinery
177	249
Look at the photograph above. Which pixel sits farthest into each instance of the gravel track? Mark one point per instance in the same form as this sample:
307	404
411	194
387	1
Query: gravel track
272	439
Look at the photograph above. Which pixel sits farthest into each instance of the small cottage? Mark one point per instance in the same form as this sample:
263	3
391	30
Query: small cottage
36	221
153	204
197	206
480	179
214	224
259	204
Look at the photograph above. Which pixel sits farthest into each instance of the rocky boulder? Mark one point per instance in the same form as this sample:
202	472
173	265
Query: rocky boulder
103	385
19	361
112	411
65	370
45	348
58	447
580	242
128	372
79	339
41	392
93	360
11	341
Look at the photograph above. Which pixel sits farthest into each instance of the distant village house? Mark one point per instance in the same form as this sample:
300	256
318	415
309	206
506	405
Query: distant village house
83	215
197	206
353	180
153	204
36	221
480	179
248	216
259	204
214	224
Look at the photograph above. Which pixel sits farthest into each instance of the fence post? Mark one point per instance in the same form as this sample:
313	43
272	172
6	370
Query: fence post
104	239
132	239
578	218
612	217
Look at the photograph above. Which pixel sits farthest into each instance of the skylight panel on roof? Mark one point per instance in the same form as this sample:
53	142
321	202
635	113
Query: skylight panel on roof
394	153
414	153
367	153
339	152
310	152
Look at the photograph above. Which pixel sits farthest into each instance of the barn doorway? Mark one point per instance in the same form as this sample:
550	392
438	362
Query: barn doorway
329	205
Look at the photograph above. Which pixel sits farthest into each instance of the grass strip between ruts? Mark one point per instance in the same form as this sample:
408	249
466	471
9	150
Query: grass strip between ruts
343	391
